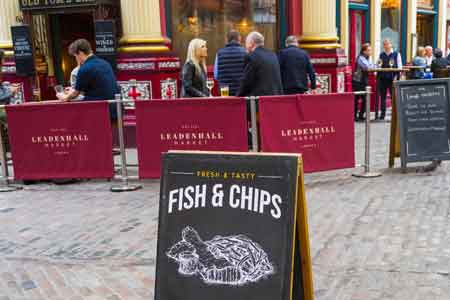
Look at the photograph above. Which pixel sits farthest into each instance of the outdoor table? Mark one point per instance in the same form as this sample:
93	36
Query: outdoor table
388	69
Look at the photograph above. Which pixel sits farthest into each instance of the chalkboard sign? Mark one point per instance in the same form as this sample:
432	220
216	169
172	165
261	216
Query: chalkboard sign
423	115
227	228
23	50
105	41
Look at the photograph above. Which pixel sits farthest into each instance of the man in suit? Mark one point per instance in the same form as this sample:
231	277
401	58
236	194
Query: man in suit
262	70
295	68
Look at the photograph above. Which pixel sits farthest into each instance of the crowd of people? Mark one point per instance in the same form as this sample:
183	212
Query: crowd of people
249	70
252	70
427	64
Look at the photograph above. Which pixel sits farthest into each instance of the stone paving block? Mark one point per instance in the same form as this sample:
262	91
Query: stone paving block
383	238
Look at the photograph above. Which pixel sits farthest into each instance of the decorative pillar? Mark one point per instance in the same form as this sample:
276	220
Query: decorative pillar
141	24
319	25
320	39
442	25
411	38
9	11
344	31
145	64
375	29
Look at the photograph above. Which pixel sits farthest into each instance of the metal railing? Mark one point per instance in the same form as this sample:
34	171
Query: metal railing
367	173
124	177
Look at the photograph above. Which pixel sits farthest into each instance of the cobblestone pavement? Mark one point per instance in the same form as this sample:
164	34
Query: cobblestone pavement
383	238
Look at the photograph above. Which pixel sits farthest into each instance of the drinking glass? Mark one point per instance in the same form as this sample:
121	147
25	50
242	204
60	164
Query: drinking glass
59	89
380	63
210	85
391	63
225	91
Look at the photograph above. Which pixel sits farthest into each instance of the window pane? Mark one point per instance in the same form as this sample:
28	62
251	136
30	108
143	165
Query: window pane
391	22
212	19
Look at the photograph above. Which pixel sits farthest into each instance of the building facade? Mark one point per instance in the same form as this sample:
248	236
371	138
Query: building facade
153	34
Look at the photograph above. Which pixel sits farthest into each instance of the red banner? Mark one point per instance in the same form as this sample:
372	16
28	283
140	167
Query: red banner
213	124
320	127
62	140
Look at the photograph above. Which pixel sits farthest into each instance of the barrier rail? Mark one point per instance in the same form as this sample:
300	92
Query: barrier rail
4	180
125	186
367	173
252	104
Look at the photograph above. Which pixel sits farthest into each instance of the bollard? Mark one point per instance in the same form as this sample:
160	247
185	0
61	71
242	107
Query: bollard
4	182
254	123
125	186
367	173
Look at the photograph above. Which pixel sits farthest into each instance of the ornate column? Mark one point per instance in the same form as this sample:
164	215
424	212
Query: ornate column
375	28
442	25
9	10
141	24
411	38
319	25
145	60
344	23
320	39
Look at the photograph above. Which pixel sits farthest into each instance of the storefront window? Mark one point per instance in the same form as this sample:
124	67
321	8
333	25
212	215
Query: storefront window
212	19
391	22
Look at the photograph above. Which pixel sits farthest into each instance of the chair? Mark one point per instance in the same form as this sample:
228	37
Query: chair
441	73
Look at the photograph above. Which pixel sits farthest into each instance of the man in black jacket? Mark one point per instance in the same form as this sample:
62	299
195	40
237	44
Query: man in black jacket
262	70
295	68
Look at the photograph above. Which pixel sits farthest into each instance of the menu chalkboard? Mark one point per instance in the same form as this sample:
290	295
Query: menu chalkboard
423	114
227	227
105	41
23	50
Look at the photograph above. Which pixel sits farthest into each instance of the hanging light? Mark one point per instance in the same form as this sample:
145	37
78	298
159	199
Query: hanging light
390	3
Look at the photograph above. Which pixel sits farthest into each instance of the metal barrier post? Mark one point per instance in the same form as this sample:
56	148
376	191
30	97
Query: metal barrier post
367	173
4	182
125	186
254	123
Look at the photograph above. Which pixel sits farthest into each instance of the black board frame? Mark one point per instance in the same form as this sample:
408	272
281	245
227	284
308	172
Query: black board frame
24	65
300	274
110	57
398	85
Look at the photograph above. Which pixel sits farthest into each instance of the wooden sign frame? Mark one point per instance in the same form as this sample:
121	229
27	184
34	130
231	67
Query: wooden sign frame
301	255
394	145
397	134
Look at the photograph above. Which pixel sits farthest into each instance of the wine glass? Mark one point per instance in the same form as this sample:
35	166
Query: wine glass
380	63
210	85
59	89
391	63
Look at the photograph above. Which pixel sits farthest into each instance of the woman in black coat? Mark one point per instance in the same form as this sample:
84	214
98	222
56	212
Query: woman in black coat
193	75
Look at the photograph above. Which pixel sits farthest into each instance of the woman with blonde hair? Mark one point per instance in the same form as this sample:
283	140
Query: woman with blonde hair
194	76
419	61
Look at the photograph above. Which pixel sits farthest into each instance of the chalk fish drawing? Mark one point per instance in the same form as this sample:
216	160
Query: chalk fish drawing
231	260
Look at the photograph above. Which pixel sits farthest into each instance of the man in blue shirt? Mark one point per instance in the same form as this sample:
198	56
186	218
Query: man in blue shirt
96	79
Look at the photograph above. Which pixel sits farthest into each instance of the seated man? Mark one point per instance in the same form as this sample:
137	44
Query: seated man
439	65
95	79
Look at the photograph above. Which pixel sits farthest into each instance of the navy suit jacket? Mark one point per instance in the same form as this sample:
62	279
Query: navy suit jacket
296	67
261	74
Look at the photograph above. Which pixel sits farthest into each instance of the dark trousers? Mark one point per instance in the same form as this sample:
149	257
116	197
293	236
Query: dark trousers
358	87
362	109
383	87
